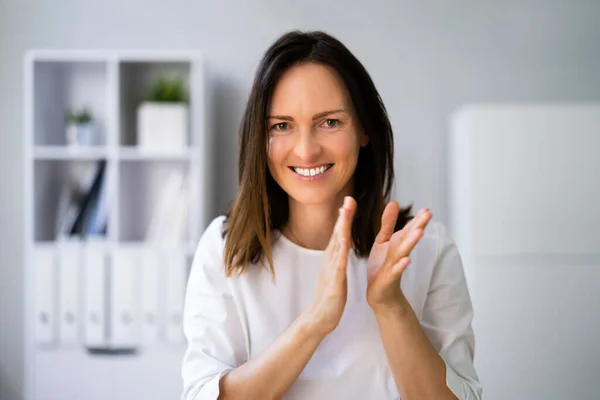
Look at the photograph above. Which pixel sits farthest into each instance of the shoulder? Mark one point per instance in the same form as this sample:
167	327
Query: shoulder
214	232
446	266
438	235
209	250
436	252
436	238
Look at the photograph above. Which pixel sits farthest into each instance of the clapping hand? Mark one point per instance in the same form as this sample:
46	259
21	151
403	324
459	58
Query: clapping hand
389	256
330	296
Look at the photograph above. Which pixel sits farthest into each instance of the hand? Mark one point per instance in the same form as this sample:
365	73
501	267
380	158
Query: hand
328	303
389	256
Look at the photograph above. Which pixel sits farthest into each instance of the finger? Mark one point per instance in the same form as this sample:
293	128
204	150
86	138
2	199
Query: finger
388	222
343	225
349	209
341	257
335	246
398	268
401	247
333	240
343	250
423	218
418	221
392	275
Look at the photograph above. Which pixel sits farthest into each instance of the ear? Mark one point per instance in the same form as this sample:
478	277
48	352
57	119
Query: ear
364	139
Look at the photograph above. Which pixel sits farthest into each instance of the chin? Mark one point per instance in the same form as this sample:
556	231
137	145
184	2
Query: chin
313	197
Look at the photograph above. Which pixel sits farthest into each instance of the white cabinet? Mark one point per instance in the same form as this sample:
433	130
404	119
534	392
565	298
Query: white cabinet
525	213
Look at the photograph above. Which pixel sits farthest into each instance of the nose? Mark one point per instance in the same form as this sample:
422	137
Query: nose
307	146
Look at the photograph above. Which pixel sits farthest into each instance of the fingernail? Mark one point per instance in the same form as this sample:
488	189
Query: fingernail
346	201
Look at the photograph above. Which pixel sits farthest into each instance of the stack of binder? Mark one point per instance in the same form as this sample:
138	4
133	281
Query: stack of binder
108	296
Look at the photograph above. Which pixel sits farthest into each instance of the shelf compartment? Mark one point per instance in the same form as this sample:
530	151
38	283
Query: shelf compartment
151	196
59	86
60	188
136	80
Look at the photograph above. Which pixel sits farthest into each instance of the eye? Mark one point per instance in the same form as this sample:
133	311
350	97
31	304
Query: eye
331	123
281	126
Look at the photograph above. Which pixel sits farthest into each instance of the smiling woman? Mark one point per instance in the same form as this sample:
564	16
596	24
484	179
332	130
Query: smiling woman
303	290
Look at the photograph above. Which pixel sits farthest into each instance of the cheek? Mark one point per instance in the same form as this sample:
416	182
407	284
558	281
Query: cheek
277	149
345	146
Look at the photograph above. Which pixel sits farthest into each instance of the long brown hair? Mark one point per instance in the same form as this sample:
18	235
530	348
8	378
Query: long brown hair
261	206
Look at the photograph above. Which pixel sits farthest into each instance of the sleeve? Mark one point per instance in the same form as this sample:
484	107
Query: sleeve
211	325
447	317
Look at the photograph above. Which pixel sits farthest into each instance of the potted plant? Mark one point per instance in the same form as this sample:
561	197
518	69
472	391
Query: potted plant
80	127
162	118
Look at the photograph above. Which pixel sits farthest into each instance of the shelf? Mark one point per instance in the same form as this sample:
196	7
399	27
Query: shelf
188	247
133	153
127	153
69	153
100	377
145	203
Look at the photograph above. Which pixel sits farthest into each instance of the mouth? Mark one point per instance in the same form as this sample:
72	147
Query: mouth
310	172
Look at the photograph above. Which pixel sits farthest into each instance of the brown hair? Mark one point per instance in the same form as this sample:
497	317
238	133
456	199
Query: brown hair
261	206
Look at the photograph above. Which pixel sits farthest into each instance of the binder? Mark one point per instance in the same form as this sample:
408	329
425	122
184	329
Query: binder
164	212
175	277
68	285
94	315
150	295
124	298
45	295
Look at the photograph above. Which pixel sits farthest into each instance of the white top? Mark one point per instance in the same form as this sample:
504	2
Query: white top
228	321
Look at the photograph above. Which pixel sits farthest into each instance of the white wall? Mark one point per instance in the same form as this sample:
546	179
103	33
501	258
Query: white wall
426	60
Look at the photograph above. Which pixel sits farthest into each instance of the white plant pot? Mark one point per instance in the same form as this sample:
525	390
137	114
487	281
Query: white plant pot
71	135
162	126
81	135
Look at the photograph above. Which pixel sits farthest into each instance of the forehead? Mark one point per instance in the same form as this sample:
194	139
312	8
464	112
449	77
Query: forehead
308	88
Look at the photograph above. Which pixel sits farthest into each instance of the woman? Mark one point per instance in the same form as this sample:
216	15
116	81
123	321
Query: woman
303	291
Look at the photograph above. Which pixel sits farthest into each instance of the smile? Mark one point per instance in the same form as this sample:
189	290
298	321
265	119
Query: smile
311	171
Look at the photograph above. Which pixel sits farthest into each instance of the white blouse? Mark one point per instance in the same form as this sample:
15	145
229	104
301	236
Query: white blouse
228	321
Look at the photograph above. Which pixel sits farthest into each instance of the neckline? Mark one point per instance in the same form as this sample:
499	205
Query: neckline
296	246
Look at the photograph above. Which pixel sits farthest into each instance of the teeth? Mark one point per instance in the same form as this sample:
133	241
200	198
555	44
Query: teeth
311	171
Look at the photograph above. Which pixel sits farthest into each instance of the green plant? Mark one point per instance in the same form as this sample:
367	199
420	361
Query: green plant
167	90
78	117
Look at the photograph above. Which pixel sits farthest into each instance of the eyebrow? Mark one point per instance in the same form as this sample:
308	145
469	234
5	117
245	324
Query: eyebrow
316	116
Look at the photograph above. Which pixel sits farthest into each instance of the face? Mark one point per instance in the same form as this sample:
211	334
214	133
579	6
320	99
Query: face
314	135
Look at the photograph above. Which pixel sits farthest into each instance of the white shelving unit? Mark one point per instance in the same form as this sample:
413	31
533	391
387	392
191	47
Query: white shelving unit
118	362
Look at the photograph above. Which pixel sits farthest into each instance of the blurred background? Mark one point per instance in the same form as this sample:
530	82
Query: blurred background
496	112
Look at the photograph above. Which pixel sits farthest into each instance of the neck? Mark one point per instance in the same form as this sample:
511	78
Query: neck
311	225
